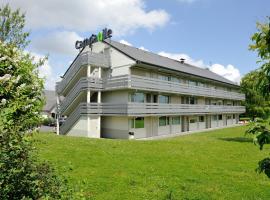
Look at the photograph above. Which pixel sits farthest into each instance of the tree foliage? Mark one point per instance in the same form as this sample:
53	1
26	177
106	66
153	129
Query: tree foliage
261	44
257	105
22	175
11	27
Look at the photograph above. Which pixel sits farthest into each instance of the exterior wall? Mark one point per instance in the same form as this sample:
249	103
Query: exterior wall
120	63
201	125
193	126
176	128
80	128
164	130
114	127
220	123
120	96
201	100
229	121
176	99
214	123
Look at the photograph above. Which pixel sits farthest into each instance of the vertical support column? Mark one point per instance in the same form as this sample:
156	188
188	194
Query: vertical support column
88	100
57	114
99	101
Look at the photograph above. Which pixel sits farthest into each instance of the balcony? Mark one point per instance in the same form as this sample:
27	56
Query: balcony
151	84
136	109
86	58
143	83
144	109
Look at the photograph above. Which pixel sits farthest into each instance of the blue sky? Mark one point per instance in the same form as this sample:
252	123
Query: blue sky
208	33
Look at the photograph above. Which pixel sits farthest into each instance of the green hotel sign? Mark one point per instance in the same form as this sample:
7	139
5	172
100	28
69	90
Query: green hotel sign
104	34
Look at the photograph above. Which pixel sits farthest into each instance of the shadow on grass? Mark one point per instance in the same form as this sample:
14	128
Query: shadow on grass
237	139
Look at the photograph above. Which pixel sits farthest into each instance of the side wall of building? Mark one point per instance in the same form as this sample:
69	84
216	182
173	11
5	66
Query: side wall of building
80	128
114	127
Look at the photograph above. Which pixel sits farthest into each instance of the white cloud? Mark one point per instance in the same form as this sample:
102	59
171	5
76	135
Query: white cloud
229	72
123	16
129	44
46	72
61	42
142	48
125	42
178	56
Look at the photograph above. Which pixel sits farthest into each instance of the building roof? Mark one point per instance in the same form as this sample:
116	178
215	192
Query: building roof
165	62
50	100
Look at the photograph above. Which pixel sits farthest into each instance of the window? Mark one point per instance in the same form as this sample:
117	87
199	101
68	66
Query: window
155	98
201	118
229	117
137	122
163	77
176	120
163	99
162	121
233	116
192	120
219	103
214	117
192	100
200	84
192	83
168	121
148	98
174	79
137	97
219	117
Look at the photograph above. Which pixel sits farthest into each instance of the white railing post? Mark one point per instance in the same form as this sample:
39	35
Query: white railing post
57	114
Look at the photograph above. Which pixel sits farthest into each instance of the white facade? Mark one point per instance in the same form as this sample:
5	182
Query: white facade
109	94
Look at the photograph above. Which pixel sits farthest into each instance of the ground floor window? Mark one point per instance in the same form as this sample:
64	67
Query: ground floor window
219	117
164	121
176	120
233	116
229	117
214	117
192	120
201	118
136	122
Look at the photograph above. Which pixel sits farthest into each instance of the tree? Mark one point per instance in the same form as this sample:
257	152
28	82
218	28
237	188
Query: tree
11	27
261	44
256	104
22	176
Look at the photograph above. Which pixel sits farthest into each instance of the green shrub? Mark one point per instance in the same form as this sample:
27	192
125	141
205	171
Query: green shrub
22	176
48	121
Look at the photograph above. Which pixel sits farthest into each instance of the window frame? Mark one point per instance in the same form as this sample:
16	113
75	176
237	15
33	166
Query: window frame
132	98
201	117
132	123
178	120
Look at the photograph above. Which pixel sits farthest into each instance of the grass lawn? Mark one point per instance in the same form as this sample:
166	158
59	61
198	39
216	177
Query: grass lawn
217	164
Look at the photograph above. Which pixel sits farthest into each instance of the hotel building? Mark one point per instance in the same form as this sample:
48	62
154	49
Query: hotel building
113	90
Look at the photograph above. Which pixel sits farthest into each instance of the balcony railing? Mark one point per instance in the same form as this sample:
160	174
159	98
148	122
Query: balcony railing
86	58
144	109
134	109
146	83
81	85
150	84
